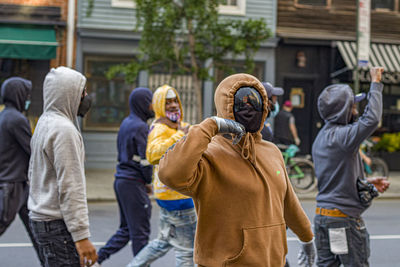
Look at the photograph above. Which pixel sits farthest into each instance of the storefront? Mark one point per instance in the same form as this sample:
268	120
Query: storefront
26	51
306	67
31	41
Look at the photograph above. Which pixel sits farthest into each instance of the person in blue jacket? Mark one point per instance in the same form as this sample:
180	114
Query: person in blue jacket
15	150
133	178
344	194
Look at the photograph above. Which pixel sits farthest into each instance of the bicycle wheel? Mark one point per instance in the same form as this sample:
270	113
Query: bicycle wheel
302	175
378	167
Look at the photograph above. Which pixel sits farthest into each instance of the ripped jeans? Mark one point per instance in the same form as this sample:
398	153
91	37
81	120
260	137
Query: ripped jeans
177	230
357	241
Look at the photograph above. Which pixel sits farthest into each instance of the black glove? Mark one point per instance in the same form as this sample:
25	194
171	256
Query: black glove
306	255
226	126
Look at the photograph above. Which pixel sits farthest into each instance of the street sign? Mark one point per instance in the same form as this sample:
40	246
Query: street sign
363	32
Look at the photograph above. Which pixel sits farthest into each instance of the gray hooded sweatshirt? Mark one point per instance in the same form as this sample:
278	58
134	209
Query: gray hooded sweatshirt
336	149
56	167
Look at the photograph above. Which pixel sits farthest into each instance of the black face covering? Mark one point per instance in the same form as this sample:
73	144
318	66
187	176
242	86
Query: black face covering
84	106
248	108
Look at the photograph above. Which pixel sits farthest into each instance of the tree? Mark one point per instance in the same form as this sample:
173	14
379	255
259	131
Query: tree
182	36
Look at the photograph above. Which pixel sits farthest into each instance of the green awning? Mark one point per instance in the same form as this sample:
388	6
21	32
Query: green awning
27	42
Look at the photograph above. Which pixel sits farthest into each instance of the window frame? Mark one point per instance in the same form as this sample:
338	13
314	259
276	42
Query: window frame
386	10
118	59
238	10
299	5
123	4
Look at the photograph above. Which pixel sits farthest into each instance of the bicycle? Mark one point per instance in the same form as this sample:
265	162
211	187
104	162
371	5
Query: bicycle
300	170
378	167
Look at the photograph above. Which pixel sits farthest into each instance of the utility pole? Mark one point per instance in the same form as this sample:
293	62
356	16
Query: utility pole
363	38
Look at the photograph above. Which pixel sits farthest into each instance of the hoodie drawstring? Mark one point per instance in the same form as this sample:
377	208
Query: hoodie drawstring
248	147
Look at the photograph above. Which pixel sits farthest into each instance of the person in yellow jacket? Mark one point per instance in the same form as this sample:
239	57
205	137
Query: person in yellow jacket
243	196
177	214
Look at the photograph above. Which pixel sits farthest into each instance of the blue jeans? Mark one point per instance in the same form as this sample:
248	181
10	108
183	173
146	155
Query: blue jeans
357	241
177	229
55	243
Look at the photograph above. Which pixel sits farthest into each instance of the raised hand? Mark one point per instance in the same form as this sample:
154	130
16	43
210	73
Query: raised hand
226	126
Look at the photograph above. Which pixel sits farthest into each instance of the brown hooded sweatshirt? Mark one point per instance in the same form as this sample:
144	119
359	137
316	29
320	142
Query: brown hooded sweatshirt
242	194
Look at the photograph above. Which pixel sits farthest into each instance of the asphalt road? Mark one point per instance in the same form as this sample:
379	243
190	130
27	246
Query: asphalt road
382	219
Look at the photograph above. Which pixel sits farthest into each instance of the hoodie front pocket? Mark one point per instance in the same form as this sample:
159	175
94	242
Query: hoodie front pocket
262	246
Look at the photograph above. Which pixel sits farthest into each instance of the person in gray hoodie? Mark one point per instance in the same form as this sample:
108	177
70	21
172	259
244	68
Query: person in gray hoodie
57	198
343	192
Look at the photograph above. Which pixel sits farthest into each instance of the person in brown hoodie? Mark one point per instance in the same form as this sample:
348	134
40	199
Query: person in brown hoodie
241	190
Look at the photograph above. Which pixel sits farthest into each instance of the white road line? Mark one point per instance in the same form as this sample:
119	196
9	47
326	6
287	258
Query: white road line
21	245
373	237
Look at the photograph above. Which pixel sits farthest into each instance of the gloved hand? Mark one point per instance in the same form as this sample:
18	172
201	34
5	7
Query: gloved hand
306	255
297	141
226	126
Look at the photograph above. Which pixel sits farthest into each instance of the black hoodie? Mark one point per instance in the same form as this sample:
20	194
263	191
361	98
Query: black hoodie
336	149
15	132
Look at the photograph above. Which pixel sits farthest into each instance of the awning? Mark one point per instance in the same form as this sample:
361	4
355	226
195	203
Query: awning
384	55
27	42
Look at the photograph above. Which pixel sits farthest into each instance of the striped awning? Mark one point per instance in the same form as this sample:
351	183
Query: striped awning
384	55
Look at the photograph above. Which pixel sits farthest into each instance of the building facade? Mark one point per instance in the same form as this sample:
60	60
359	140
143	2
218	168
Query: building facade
106	37
317	47
32	40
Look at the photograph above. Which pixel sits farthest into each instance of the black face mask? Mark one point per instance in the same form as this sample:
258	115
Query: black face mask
84	106
248	108
249	118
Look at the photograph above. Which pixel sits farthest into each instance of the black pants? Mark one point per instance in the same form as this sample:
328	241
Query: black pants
55	244
135	212
13	200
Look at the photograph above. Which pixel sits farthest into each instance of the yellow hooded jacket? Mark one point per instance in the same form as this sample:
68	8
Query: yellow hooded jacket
160	138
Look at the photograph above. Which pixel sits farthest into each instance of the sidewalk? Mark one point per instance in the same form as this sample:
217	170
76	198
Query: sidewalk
99	184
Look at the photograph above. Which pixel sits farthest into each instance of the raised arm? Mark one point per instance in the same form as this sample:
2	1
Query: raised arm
354	134
183	165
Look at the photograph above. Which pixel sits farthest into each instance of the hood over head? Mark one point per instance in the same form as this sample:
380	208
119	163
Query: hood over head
224	97
159	97
15	92
62	91
335	103
139	102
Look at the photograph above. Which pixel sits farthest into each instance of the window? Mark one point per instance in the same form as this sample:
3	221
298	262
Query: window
109	97
233	7
123	3
321	3
384	5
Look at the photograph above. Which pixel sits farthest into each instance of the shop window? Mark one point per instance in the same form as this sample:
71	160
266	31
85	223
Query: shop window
123	3
384	5
318	3
110	97
233	7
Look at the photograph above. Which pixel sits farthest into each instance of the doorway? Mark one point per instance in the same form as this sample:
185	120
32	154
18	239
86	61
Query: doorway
302	94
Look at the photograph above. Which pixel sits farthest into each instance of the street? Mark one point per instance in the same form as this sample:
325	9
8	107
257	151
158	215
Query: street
382	221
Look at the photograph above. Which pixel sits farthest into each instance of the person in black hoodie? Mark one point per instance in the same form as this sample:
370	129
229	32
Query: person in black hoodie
133	178
15	137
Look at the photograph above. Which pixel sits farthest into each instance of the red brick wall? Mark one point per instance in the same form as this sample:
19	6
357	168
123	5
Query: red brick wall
61	31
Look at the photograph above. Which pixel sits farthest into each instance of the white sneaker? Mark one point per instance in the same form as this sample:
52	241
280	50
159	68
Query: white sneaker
96	264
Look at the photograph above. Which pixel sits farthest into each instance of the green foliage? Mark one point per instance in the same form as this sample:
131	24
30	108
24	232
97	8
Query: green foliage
389	142
90	8
182	35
